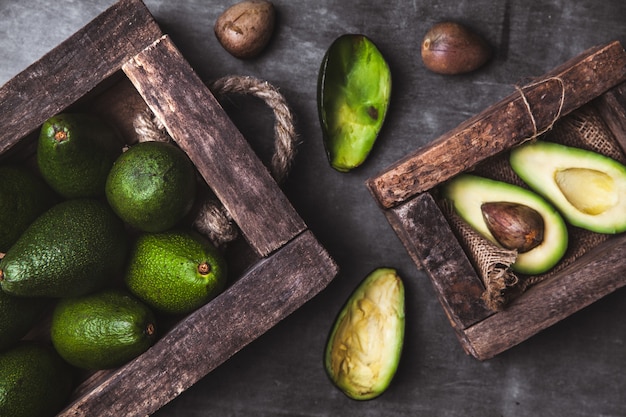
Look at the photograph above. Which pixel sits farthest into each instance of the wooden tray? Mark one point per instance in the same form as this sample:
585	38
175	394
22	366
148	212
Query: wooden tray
116	64
406	192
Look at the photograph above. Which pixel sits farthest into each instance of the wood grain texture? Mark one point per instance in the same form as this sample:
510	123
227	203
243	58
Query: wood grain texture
503	125
612	107
74	68
199	125
266	294
597	274
427	236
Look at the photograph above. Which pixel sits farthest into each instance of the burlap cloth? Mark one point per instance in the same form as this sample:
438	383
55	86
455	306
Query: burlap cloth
583	128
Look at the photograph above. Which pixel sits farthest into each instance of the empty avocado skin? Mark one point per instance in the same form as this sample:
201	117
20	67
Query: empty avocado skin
34	381
365	343
23	197
353	95
70	250
75	153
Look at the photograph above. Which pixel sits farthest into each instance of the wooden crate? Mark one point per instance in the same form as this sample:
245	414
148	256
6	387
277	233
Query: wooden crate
407	194
115	65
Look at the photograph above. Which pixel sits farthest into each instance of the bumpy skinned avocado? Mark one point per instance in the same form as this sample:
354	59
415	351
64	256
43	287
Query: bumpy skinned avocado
17	316
72	249
75	152
23	197
102	330
34	381
468	193
353	95
365	344
175	272
589	189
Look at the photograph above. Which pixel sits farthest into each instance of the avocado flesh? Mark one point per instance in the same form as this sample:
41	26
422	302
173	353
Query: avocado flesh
467	193
365	343
589	189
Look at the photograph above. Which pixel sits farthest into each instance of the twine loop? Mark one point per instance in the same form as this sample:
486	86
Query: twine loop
212	218
557	116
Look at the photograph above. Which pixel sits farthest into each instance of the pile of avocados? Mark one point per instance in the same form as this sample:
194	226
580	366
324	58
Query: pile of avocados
565	185
93	217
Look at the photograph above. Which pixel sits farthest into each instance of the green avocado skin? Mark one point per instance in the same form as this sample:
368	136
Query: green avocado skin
75	153
23	197
72	249
34	381
17	316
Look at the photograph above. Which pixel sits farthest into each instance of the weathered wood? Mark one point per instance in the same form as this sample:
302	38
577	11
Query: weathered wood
269	292
612	108
74	68
597	274
427	236
503	125
197	122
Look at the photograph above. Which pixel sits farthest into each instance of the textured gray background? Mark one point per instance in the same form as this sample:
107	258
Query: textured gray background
575	368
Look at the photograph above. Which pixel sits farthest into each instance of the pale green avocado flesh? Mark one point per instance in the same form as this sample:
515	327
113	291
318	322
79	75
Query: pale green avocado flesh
588	188
467	193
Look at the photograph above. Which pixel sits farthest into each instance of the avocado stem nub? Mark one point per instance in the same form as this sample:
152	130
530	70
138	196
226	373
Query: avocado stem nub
1	274
60	135
150	329
204	268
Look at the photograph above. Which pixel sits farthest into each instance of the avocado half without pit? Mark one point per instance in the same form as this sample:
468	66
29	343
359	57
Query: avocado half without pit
511	217
588	188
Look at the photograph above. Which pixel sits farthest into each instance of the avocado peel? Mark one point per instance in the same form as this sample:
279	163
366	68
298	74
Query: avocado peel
365	344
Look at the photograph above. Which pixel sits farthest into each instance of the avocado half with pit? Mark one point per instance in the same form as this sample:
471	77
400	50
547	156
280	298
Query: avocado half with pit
518	211
588	188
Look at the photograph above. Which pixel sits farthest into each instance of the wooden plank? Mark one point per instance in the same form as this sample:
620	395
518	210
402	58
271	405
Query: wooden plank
74	68
503	125
427	236
612	107
197	122
594	276
270	291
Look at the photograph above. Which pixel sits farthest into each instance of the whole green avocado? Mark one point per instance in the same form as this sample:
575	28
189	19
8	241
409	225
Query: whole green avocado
34	381
23	197
72	249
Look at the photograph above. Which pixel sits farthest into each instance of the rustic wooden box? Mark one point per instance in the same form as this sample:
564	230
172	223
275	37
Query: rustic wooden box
115	65
407	194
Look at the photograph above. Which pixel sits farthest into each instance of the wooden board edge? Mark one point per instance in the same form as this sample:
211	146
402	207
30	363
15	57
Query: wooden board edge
199	125
612	107
74	68
428	237
266	294
502	125
597	274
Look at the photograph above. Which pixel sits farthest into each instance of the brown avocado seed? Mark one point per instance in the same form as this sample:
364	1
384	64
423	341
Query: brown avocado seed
515	226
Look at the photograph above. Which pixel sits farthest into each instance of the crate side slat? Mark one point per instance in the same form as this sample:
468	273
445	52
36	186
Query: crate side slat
503	125
269	292
200	126
612	107
73	68
427	236
597	274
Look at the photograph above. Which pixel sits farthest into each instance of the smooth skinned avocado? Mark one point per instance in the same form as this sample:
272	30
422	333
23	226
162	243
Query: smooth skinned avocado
365	343
152	186
511	217
588	188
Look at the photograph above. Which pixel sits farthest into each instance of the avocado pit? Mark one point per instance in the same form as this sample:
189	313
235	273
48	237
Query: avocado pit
514	226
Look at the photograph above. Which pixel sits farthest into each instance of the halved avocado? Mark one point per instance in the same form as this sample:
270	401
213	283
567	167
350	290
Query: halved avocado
468	193
588	188
365	343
